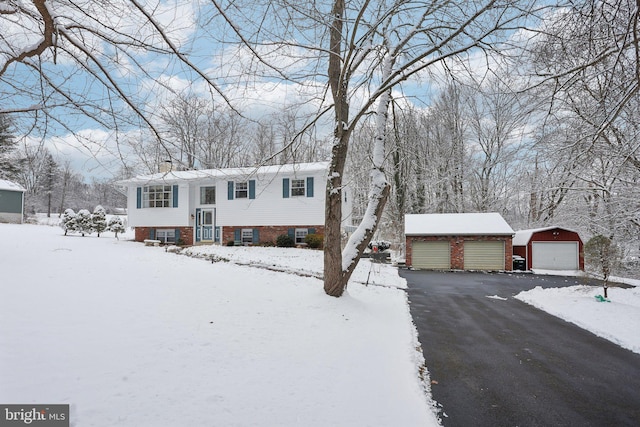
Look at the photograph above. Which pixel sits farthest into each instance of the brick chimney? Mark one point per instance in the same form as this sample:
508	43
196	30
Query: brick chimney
166	166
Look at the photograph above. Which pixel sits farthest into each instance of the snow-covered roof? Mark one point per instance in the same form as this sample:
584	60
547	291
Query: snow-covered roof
175	176
522	237
468	224
10	185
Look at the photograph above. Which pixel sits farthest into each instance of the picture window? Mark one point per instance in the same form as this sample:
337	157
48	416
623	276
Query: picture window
156	196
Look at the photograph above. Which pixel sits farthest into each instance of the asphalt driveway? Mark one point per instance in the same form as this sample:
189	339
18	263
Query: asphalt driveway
500	362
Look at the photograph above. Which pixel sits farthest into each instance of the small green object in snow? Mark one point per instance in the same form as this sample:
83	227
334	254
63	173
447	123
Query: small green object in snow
600	298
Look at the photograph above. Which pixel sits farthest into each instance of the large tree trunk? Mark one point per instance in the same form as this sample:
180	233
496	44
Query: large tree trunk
338	264
333	281
333	277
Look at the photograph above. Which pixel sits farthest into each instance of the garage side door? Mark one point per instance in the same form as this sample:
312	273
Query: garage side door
431	255
480	255
554	255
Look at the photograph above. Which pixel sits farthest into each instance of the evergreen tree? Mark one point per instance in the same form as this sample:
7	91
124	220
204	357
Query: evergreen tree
99	219
50	171
84	223
115	225
9	167
68	221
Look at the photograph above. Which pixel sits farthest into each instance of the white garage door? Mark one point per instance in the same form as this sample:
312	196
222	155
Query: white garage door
430	255
554	255
479	255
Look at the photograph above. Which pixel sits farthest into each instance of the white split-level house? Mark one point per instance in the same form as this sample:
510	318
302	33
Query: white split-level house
244	205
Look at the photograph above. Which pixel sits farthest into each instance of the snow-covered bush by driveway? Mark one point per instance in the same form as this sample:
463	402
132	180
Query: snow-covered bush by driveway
602	254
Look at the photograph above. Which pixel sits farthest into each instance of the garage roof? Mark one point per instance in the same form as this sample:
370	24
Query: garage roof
522	237
11	186
468	224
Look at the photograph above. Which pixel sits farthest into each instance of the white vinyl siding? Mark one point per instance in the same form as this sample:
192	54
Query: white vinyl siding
484	255
431	255
267	207
554	255
168	217
270	207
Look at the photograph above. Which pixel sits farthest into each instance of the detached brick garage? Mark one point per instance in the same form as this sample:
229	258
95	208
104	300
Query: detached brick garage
550	248
466	241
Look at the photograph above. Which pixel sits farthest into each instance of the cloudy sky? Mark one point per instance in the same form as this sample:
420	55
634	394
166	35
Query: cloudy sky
110	58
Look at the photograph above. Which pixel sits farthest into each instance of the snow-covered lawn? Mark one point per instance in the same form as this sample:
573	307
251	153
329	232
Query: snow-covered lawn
130	335
617	320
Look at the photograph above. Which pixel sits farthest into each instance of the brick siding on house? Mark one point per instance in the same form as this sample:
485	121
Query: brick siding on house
456	246
267	234
186	233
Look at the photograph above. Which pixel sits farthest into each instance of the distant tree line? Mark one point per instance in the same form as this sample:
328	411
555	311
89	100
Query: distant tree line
197	135
52	185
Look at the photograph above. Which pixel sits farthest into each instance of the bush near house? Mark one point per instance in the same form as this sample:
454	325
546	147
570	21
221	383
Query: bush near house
115	225
285	241
314	241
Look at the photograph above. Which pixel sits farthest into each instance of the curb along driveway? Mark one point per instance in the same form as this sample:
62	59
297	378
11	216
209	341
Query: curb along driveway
501	362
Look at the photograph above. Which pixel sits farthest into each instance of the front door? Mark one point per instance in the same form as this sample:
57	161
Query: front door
204	225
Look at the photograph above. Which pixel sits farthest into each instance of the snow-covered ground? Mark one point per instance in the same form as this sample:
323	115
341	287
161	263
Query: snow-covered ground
617	320
130	335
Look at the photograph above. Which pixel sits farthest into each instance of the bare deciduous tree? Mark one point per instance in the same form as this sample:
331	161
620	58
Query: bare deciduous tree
348	56
64	59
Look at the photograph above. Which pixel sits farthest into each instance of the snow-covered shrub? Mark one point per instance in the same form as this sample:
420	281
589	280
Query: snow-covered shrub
84	224
68	221
285	241
116	225
99	219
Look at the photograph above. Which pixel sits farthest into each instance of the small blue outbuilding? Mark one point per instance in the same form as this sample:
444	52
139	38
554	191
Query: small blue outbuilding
11	202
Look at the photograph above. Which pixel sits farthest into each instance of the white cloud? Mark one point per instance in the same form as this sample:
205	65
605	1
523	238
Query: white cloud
94	153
